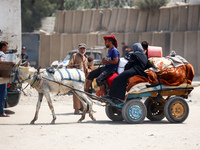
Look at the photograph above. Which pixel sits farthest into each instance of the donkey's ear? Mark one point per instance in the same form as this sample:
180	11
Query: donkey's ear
19	63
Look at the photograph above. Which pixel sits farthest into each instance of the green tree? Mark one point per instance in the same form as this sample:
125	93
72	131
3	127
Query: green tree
150	4
34	10
91	4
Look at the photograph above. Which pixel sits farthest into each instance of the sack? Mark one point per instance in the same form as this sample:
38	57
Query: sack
121	65
159	63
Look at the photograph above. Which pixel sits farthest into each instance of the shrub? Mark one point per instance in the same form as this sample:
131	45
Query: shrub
150	4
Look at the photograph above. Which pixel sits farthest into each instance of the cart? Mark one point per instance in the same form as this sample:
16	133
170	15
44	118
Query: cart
162	101
6	75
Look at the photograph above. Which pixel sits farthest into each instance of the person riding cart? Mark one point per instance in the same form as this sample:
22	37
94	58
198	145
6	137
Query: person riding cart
111	64
136	66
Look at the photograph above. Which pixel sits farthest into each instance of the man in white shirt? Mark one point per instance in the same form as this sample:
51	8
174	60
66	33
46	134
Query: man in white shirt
3	87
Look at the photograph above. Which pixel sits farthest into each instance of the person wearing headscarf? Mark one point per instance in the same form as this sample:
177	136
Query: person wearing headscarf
79	60
136	65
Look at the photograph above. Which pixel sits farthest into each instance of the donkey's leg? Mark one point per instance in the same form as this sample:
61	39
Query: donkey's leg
86	101
89	102
84	107
40	96
84	110
47	95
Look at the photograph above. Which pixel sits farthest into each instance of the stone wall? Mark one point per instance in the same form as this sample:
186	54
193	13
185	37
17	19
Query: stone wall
55	46
175	28
10	25
172	19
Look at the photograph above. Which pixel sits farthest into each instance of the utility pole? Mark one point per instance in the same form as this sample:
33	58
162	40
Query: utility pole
62	4
108	3
97	4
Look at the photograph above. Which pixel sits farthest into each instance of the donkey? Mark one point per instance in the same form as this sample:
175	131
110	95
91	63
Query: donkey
42	82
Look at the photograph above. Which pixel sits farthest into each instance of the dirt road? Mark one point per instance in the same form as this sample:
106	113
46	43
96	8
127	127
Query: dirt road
67	134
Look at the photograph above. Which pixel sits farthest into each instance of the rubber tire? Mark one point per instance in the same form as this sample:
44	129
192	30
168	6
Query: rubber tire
114	114
149	104
126	108
168	107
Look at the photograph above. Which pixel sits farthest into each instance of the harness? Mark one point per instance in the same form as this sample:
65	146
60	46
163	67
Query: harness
16	76
37	80
69	78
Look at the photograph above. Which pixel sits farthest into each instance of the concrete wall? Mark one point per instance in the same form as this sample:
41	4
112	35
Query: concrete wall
131	22
55	47
193	17
68	21
10	25
44	52
173	19
48	24
60	21
164	19
173	28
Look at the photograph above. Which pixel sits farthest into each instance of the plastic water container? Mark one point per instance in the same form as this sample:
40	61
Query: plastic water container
154	51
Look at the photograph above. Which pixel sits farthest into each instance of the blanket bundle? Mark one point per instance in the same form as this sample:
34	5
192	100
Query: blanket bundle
170	71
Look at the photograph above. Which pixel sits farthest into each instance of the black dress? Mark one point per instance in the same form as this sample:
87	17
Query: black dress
135	66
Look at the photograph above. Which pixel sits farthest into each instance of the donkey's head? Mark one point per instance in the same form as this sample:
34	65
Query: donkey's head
25	73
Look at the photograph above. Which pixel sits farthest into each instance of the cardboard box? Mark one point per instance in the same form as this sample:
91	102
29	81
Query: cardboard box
6	68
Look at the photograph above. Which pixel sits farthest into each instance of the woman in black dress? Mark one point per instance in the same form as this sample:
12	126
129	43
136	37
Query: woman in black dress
136	65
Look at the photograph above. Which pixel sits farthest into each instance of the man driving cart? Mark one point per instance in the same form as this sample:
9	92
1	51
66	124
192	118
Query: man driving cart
111	64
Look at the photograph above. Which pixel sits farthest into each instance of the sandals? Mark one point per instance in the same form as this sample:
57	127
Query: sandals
78	112
4	115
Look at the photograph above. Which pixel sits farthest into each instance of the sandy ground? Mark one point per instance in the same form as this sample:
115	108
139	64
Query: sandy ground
67	134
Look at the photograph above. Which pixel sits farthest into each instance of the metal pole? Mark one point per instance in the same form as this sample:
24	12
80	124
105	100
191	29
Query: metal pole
97	4
108	3
62	4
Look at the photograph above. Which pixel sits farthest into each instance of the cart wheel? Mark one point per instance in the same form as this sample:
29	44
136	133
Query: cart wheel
134	111
176	109
114	114
155	109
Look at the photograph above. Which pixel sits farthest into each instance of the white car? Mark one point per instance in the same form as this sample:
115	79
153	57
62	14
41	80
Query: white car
95	53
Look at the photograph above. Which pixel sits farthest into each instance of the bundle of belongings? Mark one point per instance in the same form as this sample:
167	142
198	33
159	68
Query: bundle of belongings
172	70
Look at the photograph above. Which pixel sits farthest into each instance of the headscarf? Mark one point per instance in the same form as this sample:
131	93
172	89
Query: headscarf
139	52
137	48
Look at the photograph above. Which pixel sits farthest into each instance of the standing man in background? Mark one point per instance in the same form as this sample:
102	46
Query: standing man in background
79	61
145	45
24	56
124	47
3	87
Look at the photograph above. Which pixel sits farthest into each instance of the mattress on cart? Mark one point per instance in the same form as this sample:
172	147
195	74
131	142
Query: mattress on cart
141	87
172	76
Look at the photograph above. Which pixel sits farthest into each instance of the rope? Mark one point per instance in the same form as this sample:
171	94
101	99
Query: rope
25	87
88	94
81	64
